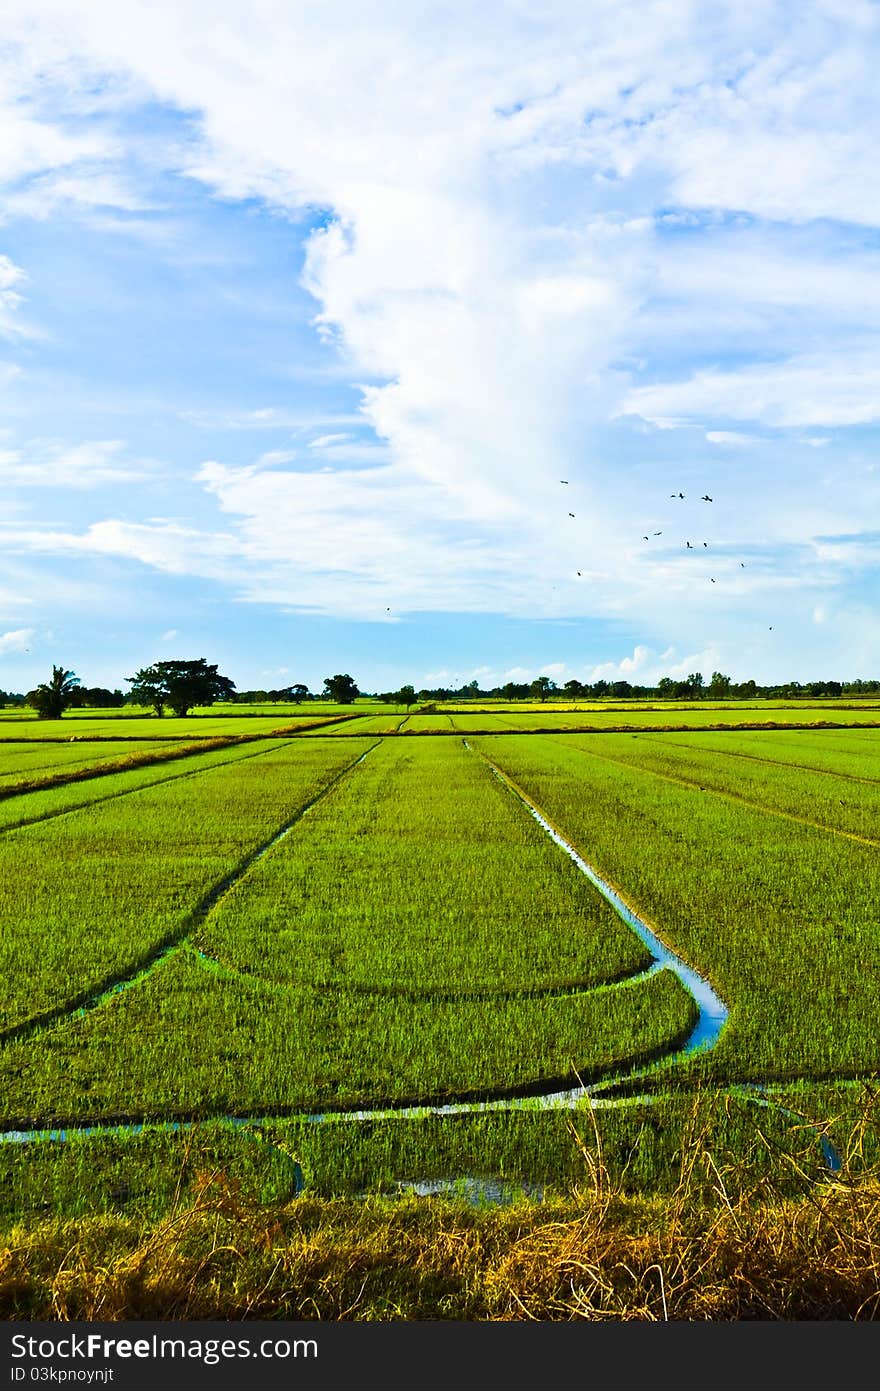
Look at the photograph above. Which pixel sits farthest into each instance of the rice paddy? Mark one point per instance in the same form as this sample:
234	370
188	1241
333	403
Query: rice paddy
359	947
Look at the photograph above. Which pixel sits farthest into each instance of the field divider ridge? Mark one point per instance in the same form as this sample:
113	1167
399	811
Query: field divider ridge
734	797
749	726
557	990
157	782
179	749
96	995
759	1094
125	765
768	762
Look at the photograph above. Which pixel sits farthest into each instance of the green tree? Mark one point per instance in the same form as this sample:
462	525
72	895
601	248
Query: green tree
719	686
341	688
51	698
515	690
180	685
542	686
406	696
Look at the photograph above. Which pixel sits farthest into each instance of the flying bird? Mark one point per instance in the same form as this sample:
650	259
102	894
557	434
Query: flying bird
711	581
571	514
706	544
689	546
563	480
676	494
705	498
658	533
646	538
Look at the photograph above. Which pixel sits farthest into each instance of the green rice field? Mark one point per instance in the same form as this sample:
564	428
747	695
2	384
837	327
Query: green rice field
356	954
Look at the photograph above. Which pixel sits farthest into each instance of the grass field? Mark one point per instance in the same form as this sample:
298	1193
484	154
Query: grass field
358	920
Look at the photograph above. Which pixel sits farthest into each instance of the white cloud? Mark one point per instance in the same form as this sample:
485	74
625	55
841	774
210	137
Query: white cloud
646	666
324	440
165	546
732	438
86	191
12	325
17	640
834	390
276	456
30	145
52	464
264	418
527	219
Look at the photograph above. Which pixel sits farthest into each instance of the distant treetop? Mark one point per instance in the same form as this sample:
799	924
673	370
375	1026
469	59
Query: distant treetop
180	685
341	688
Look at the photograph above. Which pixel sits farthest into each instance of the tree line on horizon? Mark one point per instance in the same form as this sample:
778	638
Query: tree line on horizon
180	685
176	684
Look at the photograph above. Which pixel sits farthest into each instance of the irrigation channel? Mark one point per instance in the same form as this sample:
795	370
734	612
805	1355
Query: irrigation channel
711	1019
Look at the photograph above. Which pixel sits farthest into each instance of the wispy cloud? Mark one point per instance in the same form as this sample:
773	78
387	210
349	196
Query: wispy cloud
733	439
16	640
834	390
12	281
265	418
92	464
324	440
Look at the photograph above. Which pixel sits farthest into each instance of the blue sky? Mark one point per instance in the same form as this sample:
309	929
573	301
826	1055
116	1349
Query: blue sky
306	311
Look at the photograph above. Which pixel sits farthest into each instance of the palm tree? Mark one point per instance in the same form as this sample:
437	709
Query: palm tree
52	698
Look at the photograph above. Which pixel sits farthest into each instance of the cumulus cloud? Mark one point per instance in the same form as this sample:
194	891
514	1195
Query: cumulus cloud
646	666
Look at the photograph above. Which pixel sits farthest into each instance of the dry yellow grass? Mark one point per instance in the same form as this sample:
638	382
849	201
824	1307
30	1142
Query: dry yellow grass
595	1254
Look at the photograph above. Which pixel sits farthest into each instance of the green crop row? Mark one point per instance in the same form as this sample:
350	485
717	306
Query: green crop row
194	726
645	1146
694	716
387	723
781	917
843	805
421	874
186	1040
26	763
86	896
29	806
842	753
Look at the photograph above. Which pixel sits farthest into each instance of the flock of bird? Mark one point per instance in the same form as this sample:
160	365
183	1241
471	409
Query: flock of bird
688	545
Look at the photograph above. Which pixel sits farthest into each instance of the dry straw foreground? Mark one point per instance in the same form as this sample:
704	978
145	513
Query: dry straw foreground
594	1254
